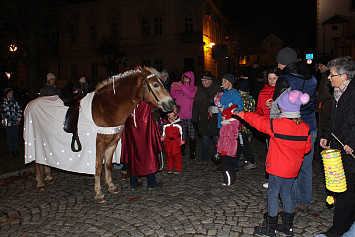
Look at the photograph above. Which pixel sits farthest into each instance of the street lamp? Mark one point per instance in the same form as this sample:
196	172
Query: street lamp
13	48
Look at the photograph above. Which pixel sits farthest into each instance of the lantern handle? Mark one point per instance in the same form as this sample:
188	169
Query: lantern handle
341	143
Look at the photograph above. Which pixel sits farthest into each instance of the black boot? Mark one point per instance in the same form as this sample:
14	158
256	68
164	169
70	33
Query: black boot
183	149
268	228
192	145
287	223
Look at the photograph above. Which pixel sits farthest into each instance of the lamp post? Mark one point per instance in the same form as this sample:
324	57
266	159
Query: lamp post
13	48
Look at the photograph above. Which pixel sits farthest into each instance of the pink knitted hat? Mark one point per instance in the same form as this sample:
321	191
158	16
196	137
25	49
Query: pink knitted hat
292	101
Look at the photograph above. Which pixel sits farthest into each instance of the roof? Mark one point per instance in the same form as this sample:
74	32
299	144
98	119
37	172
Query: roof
336	19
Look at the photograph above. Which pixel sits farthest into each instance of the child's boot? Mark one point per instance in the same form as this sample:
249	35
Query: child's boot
269	227
287	223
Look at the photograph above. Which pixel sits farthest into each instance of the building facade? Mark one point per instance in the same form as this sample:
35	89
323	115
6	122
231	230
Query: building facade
176	35
336	27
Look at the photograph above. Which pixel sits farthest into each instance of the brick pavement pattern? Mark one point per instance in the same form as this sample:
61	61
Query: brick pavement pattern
190	204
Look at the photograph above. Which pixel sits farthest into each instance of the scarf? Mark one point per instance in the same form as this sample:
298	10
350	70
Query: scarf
339	91
296	114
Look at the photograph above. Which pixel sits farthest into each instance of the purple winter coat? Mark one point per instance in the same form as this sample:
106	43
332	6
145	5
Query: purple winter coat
227	142
184	95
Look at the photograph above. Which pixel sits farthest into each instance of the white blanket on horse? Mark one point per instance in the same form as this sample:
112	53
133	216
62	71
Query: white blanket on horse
47	143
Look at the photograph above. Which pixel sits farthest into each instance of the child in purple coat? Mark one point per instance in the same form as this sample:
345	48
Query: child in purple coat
228	144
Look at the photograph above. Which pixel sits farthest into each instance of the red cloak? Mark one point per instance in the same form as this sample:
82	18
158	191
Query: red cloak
141	142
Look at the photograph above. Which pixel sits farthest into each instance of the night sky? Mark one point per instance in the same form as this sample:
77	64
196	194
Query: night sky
293	21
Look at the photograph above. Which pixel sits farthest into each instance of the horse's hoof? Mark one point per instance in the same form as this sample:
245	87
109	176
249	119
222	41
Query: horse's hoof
100	200
48	180
41	188
114	190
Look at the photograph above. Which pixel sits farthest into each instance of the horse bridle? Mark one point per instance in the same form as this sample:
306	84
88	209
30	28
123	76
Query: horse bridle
145	82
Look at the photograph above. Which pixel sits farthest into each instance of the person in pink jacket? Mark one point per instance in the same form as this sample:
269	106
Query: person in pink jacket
184	93
228	144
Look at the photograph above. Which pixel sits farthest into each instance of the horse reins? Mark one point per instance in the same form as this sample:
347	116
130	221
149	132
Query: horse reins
145	82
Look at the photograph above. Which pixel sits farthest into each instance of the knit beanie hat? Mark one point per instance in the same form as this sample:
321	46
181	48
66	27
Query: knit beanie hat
286	56
208	76
243	86
50	76
292	101
7	90
227	113
164	73
230	78
82	80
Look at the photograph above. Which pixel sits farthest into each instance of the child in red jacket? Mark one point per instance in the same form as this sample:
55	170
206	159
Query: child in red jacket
172	136
228	144
289	141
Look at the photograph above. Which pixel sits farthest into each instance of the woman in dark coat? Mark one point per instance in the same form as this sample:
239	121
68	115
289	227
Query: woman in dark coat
206	123
342	125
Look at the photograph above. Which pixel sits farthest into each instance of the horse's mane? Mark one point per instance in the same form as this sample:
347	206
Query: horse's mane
116	77
153	70
125	74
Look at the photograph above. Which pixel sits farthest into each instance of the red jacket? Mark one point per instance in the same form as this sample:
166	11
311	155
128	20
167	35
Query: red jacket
288	143
266	93
172	134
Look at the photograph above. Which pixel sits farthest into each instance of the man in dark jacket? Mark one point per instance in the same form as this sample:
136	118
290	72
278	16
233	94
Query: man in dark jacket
206	121
299	78
342	125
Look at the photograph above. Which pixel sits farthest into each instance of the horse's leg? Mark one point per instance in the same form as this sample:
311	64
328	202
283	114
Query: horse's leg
39	176
47	174
108	164
100	153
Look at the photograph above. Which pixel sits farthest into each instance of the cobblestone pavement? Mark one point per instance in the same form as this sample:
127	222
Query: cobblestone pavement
190	204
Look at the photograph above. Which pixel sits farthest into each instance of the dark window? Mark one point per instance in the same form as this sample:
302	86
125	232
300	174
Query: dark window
146	62
115	68
189	25
74	72
145	27
158	25
73	36
189	64
158	64
335	27
272	44
93	33
94	71
352	4
114	31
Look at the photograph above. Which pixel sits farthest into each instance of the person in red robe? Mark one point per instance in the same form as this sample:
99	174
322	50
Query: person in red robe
141	146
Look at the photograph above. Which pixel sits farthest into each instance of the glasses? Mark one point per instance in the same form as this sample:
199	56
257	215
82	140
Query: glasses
335	75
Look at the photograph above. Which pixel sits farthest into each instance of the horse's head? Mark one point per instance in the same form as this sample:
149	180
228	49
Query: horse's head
154	91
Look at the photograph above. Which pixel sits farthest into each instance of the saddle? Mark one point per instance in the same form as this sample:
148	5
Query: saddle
70	124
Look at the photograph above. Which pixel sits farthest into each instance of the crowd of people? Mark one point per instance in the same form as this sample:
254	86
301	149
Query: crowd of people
280	102
284	110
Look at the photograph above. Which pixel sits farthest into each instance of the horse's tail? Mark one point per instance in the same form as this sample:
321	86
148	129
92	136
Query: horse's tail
75	139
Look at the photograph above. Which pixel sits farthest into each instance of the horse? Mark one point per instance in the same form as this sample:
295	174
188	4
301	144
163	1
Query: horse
111	103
